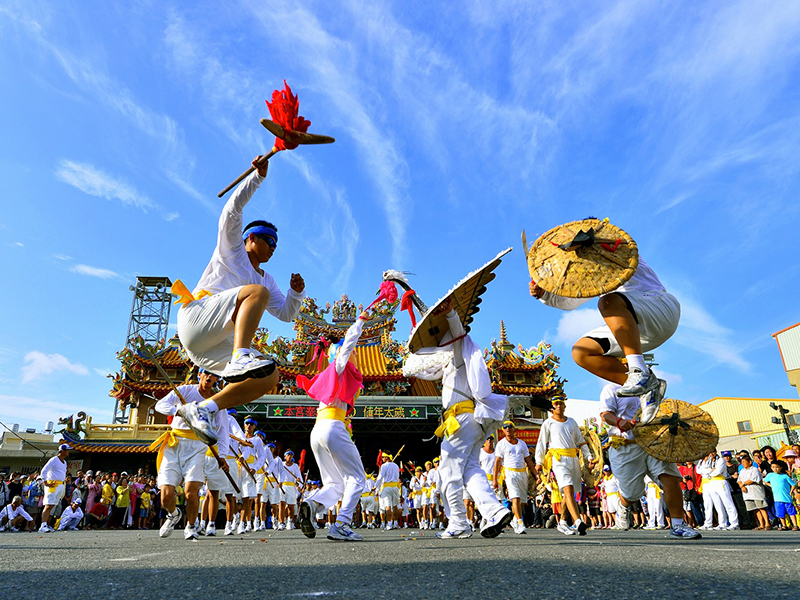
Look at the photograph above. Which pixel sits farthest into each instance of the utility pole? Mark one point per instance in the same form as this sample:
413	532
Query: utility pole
790	435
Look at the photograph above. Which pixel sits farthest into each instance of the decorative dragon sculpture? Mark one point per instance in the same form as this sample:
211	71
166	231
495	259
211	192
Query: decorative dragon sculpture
73	429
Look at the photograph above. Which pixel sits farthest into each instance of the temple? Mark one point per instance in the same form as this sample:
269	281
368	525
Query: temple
391	410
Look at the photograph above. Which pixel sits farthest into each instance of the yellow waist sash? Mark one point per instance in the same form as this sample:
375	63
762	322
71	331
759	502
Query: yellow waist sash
657	489
251	460
291	483
449	422
366	494
180	289
715	478
617	441
558	454
272	479
53	488
332	412
209	452
169	439
522	470
391	484
612	493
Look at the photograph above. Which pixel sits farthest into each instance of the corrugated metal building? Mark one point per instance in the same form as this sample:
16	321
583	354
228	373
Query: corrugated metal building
789	345
741	420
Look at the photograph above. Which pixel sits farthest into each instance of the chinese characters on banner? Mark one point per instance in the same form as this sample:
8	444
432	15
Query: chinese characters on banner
529	436
361	412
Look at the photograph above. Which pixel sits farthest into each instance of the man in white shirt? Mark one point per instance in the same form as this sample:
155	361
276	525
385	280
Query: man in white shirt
560	440
252	456
717	494
513	456
388	486
368	502
639	317
630	464
182	456
14	515
290	479
54	474
71	516
219	317
274	467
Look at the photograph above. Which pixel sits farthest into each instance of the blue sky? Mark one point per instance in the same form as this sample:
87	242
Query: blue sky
456	128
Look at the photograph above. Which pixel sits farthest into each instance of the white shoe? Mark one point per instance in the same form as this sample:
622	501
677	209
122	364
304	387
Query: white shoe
45	528
491	528
229	529
248	527
198	418
342	532
705	527
241	529
236	518
733	528
169	523
281	526
650	527
651	402
449	534
638	383
246	366
189	532
290	525
623	519
720	528
201	528
211	530
441	526
256	524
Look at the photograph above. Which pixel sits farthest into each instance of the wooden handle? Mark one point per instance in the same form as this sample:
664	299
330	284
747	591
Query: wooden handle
238	180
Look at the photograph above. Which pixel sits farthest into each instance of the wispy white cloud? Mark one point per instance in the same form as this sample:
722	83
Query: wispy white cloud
93	181
62	257
30	412
575	323
98	272
102	372
39	365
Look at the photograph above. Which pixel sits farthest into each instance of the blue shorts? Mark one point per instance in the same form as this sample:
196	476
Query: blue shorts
143	512
783	509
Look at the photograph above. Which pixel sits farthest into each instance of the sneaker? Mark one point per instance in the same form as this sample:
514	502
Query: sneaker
247	366
236	518
581	528
684	532
491	528
720	528
229	529
520	528
248	527
169	523
45	528
290	525
705	528
189	532
638	383
211	530
2	528
74	528
623	519
281	526
307	510
201	528
564	528
651	401
449	534
241	529
733	528
342	532
441	526
199	420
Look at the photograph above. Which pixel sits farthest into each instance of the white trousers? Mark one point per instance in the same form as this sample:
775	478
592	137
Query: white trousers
717	496
655	508
461	467
339	466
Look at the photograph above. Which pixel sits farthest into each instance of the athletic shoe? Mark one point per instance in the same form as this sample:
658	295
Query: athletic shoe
624	519
229	529
650	527
342	532
74	528
256	524
241	529
449	534
720	528
733	528
705	528
307	510
638	383
201	529
2	528
684	532
45	528
281	526
651	401
581	528
248	527
564	528
169	523
236	519
247	366
199	421
290	525
441	526
491	528
520	528
189	532
211	530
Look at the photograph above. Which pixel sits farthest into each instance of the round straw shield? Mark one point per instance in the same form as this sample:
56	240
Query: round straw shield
592	476
582	259
680	432
465	297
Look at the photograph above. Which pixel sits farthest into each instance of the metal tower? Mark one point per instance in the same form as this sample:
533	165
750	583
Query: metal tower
152	301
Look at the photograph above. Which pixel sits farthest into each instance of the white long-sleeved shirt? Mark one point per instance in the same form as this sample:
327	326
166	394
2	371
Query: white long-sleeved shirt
230	266
170	403
625	407
290	473
389	473
69	513
55	470
234	430
258	452
12	513
343	353
643	280
709	468
555	434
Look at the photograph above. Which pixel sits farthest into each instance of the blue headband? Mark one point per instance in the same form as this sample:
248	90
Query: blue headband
261	434
260	230
232	411
250	420
270	445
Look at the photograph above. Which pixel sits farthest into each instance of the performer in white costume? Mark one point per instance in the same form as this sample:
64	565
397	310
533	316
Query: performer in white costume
252	458
513	456
630	464
232	499
655	507
388	486
53	475
71	517
469	406
560	440
717	494
274	467
290	479
337	456
368	502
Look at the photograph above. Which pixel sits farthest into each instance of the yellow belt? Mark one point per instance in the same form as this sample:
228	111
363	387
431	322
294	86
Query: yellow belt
180	289
251	460
365	494
209	452
522	470
272	479
332	412
617	441
449	423
558	454
169	438
260	471
612	493
392	484
291	483
657	489
53	488
715	478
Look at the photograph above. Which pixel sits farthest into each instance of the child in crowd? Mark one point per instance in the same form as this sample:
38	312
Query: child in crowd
781	485
145	501
755	499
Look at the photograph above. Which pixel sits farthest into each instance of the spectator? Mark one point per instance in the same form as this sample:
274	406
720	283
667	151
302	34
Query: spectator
14	515
71	516
732	469
750	482
97	518
120	512
94	491
145	503
14	486
793	463
5	494
781	485
34	492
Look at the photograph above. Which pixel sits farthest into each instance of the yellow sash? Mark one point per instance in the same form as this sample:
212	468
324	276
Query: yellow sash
715	478
272	479
179	289
522	470
53	488
366	494
617	441
657	489
169	438
391	484
291	483
251	460
337	414
558	454
209	452
449	422
612	493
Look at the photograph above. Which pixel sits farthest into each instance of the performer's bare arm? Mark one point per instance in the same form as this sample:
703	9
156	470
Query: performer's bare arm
612	419
498	464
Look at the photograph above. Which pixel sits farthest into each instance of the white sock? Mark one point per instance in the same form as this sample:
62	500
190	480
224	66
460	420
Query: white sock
210	405
238	353
636	360
677	523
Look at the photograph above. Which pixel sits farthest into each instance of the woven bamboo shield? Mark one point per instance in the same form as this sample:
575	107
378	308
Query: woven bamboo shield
680	432
582	259
592	476
465	296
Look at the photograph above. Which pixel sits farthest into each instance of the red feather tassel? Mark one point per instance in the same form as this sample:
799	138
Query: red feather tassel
380	457
283	110
302	462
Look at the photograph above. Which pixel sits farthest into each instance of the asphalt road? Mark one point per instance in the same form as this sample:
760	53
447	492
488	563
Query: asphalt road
400	564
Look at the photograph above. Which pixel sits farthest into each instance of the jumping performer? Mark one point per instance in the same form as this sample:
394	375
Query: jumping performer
340	467
560	439
640	316
218	319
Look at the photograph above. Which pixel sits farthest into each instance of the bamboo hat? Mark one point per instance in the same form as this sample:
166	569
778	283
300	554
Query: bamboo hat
465	296
680	432
582	259
592	476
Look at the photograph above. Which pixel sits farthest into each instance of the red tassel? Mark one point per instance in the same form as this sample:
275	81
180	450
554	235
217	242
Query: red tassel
302	462
283	110
387	291
407	304
380	458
